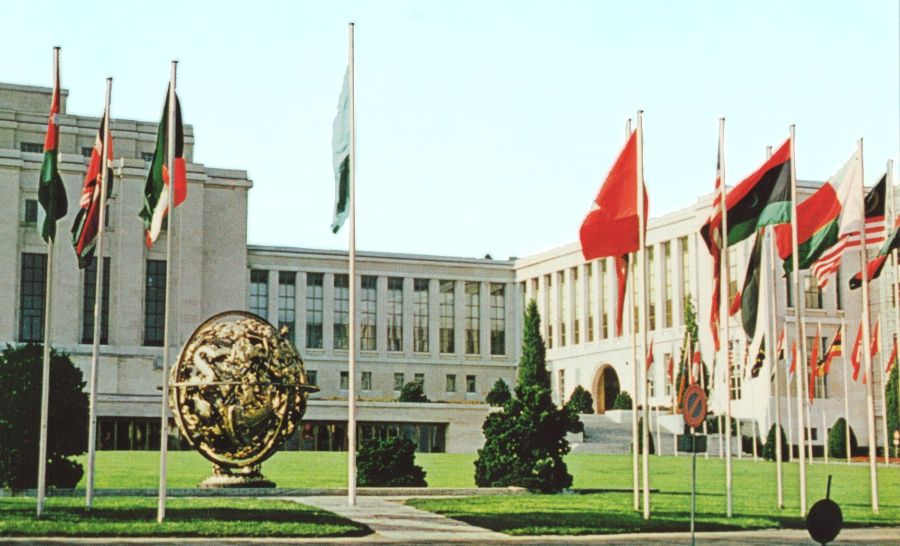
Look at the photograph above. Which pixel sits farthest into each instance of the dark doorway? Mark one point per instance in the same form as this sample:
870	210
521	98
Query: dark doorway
607	389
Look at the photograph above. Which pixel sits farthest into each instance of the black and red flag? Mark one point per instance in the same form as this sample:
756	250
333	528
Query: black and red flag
86	226
876	264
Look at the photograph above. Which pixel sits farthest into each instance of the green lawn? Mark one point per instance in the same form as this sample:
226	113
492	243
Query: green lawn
602	513
136	516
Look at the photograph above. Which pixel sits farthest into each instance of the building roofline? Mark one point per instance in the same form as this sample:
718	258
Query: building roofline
328	253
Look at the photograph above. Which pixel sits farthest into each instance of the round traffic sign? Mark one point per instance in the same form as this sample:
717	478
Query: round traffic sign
824	521
694	406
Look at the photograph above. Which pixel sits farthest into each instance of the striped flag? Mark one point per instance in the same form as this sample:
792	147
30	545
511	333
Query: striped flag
715	249
51	191
892	360
340	144
830	261
86	226
835	349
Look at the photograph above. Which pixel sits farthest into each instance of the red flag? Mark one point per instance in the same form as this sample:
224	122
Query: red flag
650	355
715	249
873	344
621	284
813	360
735	304
85	228
854	356
671	371
835	349
779	349
892	360
695	367
793	357
611	227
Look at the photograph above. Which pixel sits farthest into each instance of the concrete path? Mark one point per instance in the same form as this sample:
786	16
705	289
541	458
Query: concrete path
392	521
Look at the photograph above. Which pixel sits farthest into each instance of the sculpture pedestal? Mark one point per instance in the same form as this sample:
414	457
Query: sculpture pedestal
245	477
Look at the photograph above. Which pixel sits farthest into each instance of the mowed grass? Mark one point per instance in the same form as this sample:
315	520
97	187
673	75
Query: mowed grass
136	516
604	513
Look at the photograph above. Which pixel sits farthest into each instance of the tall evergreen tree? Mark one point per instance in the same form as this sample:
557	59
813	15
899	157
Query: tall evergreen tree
690	324
533	365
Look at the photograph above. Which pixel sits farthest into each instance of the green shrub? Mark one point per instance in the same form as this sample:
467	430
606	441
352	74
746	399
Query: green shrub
389	463
622	401
412	392
499	394
20	416
837	440
581	401
769	450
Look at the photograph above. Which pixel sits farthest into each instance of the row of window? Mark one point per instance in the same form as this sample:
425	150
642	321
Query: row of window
450	383
258	302
32	300
38	148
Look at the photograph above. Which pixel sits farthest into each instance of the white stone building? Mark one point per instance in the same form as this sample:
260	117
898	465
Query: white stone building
452	323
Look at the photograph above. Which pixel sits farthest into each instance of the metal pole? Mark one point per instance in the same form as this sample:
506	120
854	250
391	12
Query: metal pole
693	482
772	357
170	212
351	402
642	263
723	317
896	286
867	355
98	299
45	367
635	474
799	330
846	388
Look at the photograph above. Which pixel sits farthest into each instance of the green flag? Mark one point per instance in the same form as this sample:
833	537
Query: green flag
340	146
51	192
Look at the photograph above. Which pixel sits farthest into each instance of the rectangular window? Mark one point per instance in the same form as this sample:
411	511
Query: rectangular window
155	303
345	381
90	291
395	314
32	297
258	300
86	151
604	317
498	319
665	362
813	293
451	382
651	289
735	365
651	383
399	381
31	211
341	311
473	317
287	301
561	384
579	293
732	274
31	147
366	381
147	156
470	384
562	298
548	309
368	312
667	280
839	301
315	283
420	315
788	290
685	271
420	379
592	301
448	317
636	317
820	389
312	377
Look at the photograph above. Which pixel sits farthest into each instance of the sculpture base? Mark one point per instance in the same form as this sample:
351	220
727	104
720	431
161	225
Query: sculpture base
249	477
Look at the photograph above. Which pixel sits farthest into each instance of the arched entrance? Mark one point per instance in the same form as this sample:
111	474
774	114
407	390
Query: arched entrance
606	388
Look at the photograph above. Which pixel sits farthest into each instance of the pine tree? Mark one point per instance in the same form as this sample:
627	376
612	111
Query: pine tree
533	365
690	324
499	394
581	401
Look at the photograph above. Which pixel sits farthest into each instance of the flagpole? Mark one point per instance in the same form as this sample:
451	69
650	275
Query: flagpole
642	263
799	330
170	211
102	183
787	389
723	319
846	389
45	367
867	355
807	404
351	364
888	226
634	404
772	356
896	286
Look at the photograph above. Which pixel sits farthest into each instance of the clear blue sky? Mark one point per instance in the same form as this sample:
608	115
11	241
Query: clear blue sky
482	127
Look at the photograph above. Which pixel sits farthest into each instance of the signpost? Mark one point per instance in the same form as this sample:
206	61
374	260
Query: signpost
693	408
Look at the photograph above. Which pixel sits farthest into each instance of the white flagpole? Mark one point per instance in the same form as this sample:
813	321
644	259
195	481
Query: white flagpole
723	318
888	226
788	355
846	387
636	481
867	355
45	369
170	212
799	330
896	286
642	263
772	356
351	387
98	299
